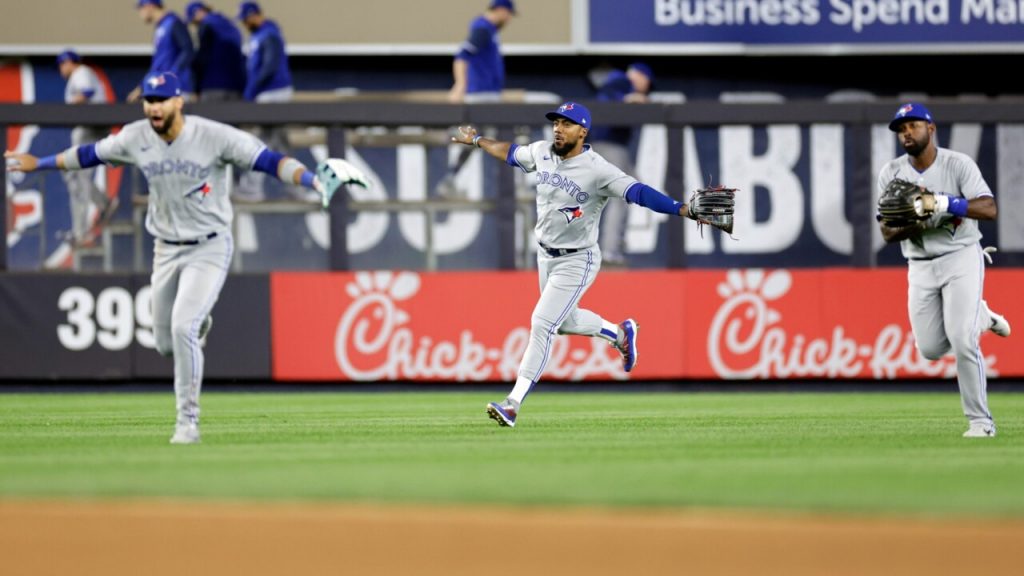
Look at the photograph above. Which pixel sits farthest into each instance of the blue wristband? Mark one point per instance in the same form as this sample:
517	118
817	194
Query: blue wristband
47	163
957	206
306	179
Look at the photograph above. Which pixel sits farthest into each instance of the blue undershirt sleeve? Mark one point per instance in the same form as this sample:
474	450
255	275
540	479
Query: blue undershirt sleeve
651	199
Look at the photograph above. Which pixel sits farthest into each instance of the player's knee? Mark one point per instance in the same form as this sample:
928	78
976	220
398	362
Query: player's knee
183	331
933	350
966	344
164	345
540	324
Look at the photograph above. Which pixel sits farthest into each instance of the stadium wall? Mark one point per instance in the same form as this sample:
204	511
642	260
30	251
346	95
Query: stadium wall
829	324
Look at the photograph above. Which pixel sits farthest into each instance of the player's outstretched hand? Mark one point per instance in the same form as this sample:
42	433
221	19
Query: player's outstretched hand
334	173
17	162
465	135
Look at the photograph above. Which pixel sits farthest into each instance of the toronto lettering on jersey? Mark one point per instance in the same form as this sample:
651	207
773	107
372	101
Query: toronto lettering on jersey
172	166
558	181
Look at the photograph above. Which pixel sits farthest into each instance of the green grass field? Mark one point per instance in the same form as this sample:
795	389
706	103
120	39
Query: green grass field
885	453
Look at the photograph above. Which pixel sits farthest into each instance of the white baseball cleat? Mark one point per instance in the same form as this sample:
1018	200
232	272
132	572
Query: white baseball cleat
186	434
980	430
999	324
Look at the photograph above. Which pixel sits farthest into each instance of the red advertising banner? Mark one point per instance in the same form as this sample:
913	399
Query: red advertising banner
724	324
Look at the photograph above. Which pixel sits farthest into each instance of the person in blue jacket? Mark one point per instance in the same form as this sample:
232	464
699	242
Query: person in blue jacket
479	69
268	78
172	45
613	142
219	65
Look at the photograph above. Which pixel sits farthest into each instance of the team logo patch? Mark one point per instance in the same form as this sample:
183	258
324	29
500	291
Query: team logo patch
203	190
571	213
904	110
157	81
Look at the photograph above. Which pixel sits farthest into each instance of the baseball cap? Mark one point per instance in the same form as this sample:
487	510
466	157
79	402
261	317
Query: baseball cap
192	8
247	8
644	69
504	4
161	85
910	111
157	3
68	56
572	112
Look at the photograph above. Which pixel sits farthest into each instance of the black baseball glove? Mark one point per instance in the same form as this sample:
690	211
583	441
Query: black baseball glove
896	206
714	206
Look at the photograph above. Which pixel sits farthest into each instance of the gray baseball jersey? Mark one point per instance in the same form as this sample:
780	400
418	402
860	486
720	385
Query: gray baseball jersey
954	174
570	193
188	178
83	80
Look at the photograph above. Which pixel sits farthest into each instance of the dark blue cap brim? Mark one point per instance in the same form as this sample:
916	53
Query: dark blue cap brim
554	115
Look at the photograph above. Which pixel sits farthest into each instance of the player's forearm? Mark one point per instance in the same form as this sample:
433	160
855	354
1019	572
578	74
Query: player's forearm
460	72
495	148
982	208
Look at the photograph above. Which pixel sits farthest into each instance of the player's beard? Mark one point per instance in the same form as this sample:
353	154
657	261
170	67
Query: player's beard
915	147
168	121
564	148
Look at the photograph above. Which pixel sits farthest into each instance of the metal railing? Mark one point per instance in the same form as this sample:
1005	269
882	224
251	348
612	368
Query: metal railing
339	117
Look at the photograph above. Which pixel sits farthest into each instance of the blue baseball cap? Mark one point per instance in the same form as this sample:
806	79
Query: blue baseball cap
504	4
910	111
192	8
644	69
68	56
161	85
245	9
572	112
157	3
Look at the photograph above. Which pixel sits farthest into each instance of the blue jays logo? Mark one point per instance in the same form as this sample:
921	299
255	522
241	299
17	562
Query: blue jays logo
571	213
905	109
568	106
157	81
203	190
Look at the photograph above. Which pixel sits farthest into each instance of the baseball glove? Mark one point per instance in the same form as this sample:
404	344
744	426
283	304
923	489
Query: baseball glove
904	203
714	206
334	173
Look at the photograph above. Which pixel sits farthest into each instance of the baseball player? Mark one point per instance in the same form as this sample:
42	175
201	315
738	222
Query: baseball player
83	87
574	184
184	159
946	269
172	45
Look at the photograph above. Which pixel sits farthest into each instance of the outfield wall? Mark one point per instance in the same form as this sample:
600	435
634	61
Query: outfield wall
834	323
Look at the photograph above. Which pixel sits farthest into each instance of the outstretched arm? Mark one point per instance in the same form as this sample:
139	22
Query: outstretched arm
286	169
467	135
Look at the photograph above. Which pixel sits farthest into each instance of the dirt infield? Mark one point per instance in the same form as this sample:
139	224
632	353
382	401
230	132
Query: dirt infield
156	538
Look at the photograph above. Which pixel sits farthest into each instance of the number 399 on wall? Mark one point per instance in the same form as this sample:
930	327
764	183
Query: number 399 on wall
111	318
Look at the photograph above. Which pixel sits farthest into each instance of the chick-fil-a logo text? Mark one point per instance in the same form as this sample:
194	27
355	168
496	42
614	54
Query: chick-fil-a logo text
748	340
375	340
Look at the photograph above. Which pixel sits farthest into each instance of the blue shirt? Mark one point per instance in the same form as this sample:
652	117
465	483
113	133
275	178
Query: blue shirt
219	63
615	89
172	50
267	66
482	52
